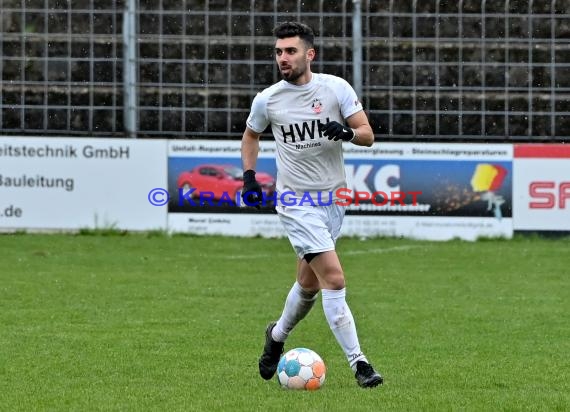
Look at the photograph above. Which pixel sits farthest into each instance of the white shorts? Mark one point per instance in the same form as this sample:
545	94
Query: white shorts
311	229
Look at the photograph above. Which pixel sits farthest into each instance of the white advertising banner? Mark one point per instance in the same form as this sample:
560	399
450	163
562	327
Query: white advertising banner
227	224
76	183
424	191
541	188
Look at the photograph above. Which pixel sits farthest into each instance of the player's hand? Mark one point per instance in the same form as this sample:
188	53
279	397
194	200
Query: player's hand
251	193
335	130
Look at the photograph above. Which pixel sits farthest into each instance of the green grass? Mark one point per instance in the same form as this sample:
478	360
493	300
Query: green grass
98	321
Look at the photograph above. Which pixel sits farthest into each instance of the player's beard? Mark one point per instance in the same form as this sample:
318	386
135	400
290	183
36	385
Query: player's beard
293	75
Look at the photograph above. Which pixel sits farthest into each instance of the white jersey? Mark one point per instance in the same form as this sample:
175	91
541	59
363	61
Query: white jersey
307	161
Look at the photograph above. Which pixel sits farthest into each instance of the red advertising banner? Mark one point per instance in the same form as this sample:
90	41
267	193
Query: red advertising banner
541	187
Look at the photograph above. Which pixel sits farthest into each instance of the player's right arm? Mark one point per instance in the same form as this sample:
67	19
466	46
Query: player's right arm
256	123
251	193
249	149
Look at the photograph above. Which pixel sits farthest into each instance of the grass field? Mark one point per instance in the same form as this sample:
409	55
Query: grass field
151	322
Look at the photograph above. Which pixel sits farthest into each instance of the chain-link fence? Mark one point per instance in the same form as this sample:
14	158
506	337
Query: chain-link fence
432	69
61	64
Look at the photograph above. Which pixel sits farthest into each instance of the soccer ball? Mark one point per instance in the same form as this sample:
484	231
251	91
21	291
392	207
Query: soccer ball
301	368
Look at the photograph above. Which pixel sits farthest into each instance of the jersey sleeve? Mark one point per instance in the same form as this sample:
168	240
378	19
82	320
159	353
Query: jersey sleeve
257	119
347	98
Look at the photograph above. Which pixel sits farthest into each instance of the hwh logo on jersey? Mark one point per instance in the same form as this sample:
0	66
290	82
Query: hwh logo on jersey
302	131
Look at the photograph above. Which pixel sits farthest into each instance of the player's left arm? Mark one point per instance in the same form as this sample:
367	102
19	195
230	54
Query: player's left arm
363	134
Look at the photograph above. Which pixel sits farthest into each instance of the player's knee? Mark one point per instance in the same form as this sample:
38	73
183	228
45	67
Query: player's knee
336	282
330	275
309	284
333	280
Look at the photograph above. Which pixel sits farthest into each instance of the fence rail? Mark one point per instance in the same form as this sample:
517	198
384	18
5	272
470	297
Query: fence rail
432	69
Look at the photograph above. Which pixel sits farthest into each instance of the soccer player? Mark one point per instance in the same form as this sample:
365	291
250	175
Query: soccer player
311	115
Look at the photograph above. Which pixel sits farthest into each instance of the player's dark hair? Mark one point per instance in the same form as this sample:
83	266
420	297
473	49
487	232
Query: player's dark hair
293	29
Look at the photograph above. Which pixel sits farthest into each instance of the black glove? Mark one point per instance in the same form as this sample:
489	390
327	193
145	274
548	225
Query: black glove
335	130
251	194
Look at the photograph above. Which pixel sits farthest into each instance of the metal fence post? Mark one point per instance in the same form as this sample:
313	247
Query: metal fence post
357	48
130	70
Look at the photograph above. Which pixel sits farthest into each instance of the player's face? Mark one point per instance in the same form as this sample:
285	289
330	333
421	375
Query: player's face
293	58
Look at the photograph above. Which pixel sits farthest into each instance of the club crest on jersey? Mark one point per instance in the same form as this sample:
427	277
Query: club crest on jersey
317	106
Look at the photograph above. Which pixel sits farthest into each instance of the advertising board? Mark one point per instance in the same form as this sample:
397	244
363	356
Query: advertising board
76	183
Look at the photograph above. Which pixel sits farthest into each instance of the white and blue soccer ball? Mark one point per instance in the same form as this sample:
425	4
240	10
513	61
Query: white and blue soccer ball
301	368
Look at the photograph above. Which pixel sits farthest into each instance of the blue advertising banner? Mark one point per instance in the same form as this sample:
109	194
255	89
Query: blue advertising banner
430	187
199	184
417	190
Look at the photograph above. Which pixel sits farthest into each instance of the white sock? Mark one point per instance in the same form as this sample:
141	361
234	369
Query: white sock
342	324
298	303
